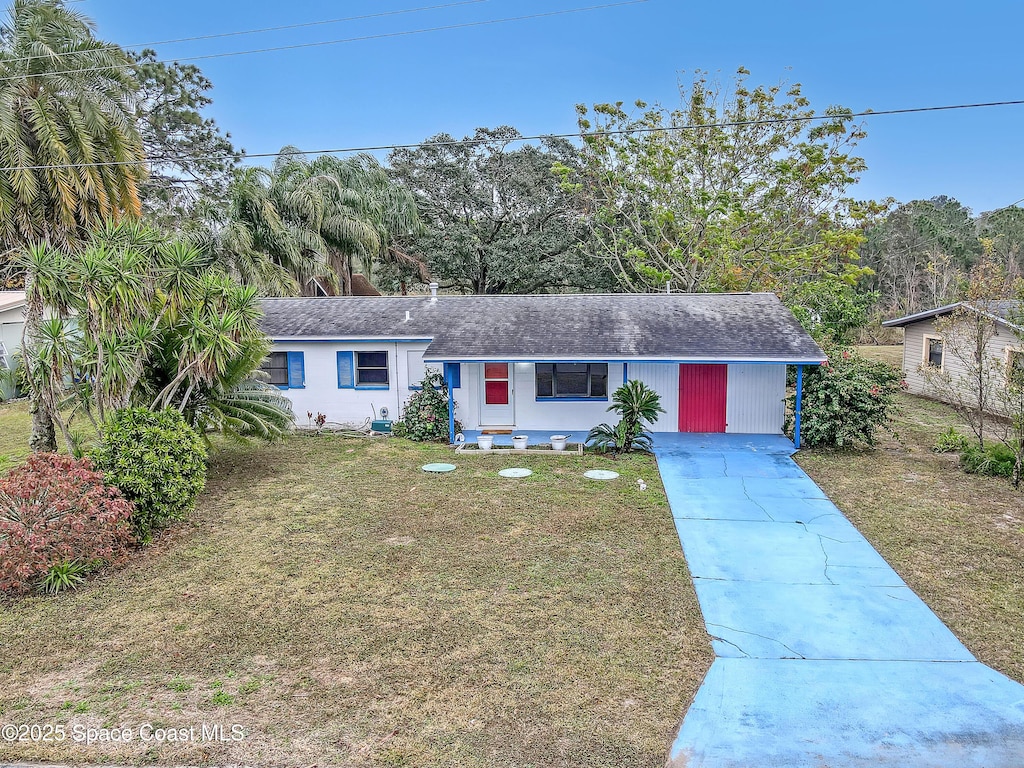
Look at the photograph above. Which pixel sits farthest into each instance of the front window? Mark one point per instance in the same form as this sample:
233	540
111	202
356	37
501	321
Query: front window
276	366
372	369
572	380
933	351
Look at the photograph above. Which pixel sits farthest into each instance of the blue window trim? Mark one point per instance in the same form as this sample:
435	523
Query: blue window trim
300	359
571	399
348	358
355	371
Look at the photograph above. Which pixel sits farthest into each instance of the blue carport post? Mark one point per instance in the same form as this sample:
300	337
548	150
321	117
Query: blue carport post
799	401
448	381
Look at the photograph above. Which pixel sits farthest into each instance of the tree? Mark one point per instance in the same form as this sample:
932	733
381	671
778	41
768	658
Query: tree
68	140
305	220
56	131
355	208
973	391
190	160
135	320
920	253
499	220
735	190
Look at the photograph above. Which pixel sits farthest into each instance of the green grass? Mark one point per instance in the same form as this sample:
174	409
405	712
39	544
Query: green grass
348	609
15	427
956	539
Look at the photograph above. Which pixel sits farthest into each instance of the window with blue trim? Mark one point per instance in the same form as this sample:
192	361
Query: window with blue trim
572	380
286	370
372	369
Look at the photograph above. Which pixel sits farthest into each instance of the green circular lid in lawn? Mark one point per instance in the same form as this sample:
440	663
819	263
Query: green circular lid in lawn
438	467
601	474
516	472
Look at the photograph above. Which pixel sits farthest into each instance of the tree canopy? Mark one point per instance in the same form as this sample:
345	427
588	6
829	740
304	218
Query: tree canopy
498	219
737	189
68	135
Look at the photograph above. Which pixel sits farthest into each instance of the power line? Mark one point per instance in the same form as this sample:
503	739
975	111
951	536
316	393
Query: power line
362	38
281	28
577	135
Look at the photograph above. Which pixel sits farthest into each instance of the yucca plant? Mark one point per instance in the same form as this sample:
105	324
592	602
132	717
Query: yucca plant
637	405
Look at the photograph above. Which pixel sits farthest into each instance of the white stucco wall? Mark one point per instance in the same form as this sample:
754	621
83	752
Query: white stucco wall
321	394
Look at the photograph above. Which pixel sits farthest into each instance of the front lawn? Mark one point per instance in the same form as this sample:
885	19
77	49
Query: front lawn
956	539
346	608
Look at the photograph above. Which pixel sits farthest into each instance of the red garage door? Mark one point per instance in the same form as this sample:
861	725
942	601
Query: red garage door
702	397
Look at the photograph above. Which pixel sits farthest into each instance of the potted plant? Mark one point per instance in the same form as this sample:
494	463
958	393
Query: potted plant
519	442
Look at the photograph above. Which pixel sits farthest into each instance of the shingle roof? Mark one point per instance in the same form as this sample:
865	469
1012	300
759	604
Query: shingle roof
734	327
1001	310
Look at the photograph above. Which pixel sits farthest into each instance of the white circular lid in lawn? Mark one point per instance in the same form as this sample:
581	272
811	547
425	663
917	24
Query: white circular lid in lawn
438	467
516	472
601	474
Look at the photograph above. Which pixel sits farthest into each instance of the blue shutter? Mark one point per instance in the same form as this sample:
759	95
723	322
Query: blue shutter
346	371
296	370
456	374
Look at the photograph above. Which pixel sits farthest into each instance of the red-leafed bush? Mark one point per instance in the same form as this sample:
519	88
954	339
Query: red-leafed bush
56	510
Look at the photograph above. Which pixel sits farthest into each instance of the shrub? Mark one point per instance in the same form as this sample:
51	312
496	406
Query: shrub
425	417
996	460
57	514
157	460
846	399
951	441
637	405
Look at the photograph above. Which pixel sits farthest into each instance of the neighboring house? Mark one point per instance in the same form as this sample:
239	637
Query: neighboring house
924	346
542	362
12	322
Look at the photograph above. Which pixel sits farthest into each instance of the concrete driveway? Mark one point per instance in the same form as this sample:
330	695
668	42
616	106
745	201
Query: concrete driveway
824	656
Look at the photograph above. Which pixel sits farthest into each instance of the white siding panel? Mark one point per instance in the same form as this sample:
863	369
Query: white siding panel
754	402
663	378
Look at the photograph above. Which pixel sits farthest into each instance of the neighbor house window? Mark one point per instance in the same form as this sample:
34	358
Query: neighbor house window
285	369
572	380
933	351
372	369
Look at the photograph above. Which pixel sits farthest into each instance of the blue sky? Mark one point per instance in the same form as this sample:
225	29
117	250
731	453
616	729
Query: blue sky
530	74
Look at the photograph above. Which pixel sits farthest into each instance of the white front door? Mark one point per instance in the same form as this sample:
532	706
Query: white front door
497	404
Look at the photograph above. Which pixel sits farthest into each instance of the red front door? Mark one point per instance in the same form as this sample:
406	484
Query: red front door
702	391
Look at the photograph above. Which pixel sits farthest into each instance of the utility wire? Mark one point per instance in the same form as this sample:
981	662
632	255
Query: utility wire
362	38
281	28
576	135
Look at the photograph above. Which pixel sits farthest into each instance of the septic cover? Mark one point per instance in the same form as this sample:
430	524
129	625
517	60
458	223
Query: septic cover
601	474
438	467
515	472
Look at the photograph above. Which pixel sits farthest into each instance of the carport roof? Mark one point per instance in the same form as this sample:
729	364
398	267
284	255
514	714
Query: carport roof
679	327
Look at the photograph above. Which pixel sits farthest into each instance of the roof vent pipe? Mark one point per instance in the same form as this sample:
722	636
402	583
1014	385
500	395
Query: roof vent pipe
433	291
668	286
408	315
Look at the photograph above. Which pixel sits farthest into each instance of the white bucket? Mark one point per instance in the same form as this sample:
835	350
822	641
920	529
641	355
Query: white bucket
558	442
519	442
484	442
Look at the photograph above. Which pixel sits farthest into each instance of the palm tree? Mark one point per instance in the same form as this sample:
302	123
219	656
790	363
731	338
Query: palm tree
70	153
307	219
69	147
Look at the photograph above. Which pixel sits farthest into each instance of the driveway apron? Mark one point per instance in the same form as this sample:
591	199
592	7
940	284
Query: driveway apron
824	656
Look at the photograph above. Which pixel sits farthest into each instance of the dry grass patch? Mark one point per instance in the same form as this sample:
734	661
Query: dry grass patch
348	609
956	539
